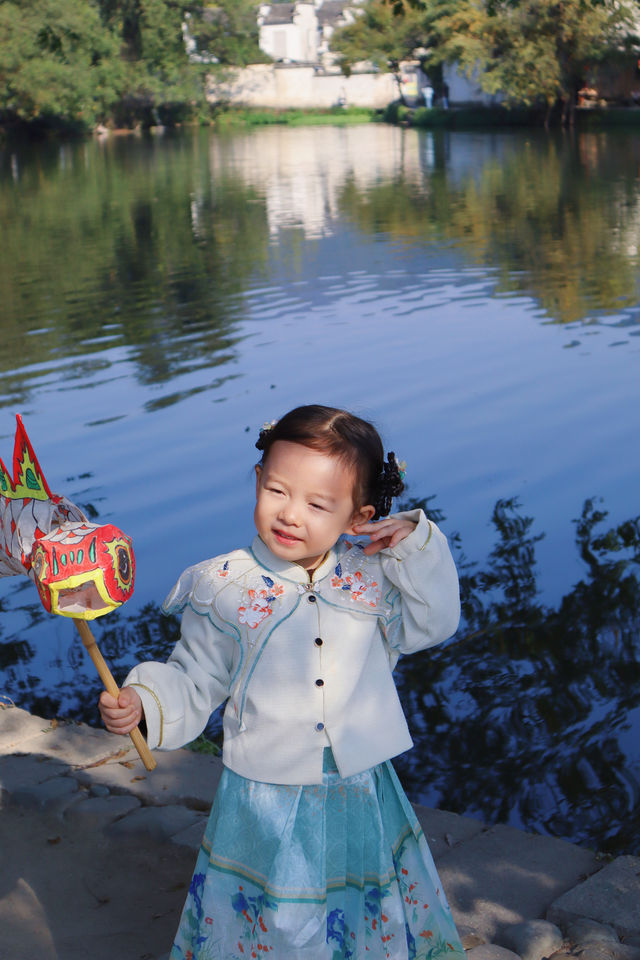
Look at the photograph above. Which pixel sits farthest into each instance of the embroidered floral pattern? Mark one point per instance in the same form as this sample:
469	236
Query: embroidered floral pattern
256	607
231	917
254	939
419	918
361	586
338	933
223	571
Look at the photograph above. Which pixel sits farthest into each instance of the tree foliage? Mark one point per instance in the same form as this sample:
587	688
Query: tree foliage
82	62
527	51
56	59
379	36
229	31
532	50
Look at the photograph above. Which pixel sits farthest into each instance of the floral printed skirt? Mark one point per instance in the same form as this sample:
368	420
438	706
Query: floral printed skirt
333	871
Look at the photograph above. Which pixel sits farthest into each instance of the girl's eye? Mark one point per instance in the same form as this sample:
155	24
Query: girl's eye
317	506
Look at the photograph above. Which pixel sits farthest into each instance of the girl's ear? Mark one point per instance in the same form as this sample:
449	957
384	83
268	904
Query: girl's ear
362	515
258	477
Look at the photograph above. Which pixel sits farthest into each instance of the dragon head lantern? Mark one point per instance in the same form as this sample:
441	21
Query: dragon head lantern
82	570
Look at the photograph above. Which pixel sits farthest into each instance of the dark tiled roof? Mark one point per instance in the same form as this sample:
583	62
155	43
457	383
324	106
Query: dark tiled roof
280	13
330	11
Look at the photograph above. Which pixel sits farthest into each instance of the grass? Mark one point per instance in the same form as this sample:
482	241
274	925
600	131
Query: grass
203	745
228	117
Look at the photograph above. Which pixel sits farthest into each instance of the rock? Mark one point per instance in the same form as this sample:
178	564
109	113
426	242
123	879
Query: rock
610	896
192	836
160	823
584	931
52	795
470	940
608	951
98	812
595	951
99	790
502	876
490	951
532	939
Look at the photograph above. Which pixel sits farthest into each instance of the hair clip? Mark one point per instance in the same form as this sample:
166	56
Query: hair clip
264	430
400	465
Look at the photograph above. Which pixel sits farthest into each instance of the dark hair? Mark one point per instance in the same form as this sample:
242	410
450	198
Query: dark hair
354	441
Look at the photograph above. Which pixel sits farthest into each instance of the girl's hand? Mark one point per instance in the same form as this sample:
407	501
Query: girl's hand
387	532
123	714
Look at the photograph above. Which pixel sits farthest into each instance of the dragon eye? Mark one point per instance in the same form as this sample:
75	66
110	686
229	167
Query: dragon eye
38	566
124	564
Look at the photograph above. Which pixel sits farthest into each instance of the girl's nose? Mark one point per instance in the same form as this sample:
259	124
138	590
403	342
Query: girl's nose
289	513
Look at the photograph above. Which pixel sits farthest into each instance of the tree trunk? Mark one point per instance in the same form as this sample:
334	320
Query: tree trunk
398	79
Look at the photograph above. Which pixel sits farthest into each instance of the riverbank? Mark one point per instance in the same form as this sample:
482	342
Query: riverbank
230	118
97	855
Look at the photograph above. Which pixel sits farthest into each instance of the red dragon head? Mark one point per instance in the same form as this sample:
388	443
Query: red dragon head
83	570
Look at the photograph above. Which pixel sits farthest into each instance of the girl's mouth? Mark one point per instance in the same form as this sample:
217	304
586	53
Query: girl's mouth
285	538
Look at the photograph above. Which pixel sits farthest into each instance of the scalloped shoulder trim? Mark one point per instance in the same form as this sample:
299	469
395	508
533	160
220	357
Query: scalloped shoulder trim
202	581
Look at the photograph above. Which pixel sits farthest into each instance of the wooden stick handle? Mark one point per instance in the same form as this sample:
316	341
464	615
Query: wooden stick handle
111	687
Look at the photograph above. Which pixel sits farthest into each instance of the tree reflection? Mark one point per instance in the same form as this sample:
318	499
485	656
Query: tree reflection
132	245
526	717
522	718
557	218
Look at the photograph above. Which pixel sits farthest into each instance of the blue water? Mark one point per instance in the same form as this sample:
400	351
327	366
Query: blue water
163	298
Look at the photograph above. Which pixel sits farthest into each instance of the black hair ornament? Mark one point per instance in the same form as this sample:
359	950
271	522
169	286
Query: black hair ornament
390	484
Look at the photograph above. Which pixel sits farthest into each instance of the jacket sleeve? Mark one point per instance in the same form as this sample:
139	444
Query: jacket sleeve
426	603
180	695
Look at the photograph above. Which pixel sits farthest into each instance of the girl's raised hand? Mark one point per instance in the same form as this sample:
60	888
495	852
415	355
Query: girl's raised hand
387	532
123	714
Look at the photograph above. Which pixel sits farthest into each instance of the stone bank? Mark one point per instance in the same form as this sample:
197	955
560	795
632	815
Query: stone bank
97	856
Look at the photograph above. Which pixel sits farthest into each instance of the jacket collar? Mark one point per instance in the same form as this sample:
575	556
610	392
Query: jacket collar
291	571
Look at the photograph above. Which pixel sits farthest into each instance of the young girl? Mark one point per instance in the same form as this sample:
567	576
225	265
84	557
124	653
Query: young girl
312	850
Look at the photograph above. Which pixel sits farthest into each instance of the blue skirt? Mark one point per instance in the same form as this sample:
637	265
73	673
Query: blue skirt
333	871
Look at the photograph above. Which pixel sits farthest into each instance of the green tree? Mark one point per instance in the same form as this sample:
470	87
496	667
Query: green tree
228	31
530	50
57	60
381	34
161	84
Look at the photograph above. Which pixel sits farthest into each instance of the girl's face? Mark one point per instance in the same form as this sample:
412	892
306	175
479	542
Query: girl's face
304	503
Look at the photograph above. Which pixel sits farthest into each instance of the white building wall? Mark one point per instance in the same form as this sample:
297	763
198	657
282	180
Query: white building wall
281	87
296	42
464	89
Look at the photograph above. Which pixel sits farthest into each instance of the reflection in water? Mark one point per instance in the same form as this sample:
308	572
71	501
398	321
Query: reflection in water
521	719
559	219
156	257
531	704
160	238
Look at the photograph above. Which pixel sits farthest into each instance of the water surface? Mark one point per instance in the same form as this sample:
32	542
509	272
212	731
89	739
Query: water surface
476	295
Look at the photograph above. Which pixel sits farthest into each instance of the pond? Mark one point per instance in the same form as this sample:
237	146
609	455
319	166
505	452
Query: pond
475	294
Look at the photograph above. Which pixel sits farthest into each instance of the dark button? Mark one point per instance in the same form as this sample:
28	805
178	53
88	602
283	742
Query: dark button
319	683
312	598
318	641
319	726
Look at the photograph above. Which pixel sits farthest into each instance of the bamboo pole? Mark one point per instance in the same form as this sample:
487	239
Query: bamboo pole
111	687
